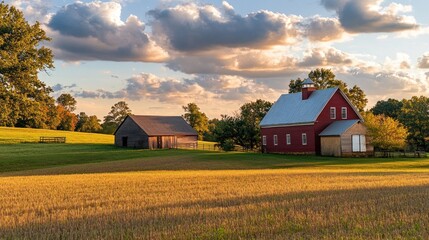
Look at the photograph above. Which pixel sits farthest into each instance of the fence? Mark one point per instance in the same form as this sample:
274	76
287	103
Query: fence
52	140
403	154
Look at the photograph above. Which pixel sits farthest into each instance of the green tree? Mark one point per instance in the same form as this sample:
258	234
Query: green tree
415	116
325	78
67	101
385	132
88	123
209	135
390	107
251	115
197	119
24	99
118	112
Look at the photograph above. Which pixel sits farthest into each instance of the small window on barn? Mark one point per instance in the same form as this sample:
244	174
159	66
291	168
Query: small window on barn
344	113
333	113
276	140
304	139
264	140
358	143
287	139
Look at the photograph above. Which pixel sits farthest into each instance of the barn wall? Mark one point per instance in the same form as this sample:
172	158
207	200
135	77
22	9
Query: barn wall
137	138
331	146
346	138
171	141
324	119
295	132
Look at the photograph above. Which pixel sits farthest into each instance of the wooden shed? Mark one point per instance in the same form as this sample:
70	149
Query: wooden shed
155	132
345	138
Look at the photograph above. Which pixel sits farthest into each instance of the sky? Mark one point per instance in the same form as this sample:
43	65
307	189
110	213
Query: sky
160	55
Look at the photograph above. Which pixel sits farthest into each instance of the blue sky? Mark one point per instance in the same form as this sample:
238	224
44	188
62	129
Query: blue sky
161	55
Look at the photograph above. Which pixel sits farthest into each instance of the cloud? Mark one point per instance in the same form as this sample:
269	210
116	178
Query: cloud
319	57
94	31
34	10
192	27
423	62
59	87
169	90
368	16
322	29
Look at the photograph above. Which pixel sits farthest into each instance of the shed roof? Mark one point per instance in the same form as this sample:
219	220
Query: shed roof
163	125
290	109
338	127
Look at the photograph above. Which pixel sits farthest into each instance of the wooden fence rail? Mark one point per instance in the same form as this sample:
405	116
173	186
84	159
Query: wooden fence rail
52	140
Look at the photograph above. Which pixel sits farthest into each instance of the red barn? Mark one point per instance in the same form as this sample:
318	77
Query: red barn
296	124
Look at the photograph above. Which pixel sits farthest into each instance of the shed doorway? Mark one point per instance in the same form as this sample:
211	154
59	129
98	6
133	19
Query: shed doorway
124	141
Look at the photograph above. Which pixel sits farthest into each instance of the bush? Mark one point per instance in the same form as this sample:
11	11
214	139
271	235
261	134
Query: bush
227	145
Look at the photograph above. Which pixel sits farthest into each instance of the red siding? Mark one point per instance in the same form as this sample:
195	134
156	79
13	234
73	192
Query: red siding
313	131
296	141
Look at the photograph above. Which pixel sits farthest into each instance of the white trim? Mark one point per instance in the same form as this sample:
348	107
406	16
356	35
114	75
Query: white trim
304	137
343	112
275	140
333	112
352	106
288	139
264	140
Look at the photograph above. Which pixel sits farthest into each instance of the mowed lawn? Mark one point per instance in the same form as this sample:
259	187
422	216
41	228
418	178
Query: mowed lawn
97	191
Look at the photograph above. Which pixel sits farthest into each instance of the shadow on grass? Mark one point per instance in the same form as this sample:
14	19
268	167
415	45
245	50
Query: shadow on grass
50	159
384	212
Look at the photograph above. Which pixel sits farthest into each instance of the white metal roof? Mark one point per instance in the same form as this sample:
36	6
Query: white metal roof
290	109
338	127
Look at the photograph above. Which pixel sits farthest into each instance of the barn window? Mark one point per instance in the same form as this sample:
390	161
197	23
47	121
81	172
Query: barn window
358	143
288	139
276	140
264	140
333	113
304	139
344	113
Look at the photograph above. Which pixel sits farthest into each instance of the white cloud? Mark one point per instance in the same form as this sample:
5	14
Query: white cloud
94	31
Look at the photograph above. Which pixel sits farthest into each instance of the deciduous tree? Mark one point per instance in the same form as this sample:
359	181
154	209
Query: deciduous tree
118	112
385	132
67	101
197	119
325	78
88	123
390	107
415	116
24	99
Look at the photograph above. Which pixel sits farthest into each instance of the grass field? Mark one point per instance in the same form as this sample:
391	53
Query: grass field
30	135
97	191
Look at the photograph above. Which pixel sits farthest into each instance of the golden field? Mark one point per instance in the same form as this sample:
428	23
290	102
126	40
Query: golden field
217	204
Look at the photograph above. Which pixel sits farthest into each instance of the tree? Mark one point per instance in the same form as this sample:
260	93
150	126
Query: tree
68	120
24	99
391	108
118	112
325	78
88	123
251	115
197	119
67	101
415	116
385	132
243	128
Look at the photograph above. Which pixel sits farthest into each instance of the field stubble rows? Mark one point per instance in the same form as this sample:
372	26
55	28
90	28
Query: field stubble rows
267	204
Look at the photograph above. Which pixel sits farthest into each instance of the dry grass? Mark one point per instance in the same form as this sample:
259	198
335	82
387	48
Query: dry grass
227	204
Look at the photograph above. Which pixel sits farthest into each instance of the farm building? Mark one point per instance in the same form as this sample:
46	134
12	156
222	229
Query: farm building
314	122
155	132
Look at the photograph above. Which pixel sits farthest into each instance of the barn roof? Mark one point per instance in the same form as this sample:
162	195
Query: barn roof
163	125
290	109
338	127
